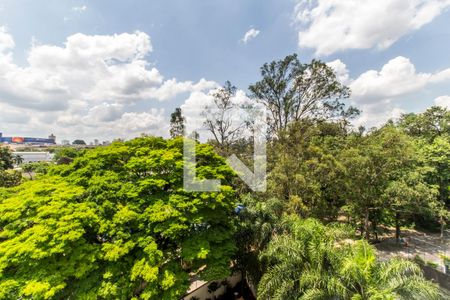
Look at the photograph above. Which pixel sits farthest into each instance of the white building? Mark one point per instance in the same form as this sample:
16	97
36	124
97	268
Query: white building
34	156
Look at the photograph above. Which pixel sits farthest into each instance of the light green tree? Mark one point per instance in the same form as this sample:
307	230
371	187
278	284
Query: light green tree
116	224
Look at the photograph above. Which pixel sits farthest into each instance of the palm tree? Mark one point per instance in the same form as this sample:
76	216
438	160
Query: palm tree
18	159
314	261
301	263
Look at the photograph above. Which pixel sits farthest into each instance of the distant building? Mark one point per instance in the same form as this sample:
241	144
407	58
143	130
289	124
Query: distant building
28	140
65	142
28	157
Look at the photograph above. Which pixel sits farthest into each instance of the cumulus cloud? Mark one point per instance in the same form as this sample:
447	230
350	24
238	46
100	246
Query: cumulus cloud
443	101
375	91
79	8
89	81
329	26
6	40
340	69
250	35
396	78
153	121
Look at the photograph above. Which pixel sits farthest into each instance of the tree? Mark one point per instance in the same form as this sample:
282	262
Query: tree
309	260
372	162
35	167
364	277
17	159
221	118
304	170
8	178
177	127
194	135
410	194
6	158
292	91
437	157
257	221
116	224
28	168
78	142
65	155
432	123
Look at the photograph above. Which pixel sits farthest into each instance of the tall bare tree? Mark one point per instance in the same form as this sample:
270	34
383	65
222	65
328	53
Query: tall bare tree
221	119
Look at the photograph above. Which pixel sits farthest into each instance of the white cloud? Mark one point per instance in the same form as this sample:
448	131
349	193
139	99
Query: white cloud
105	112
90	83
171	88
135	123
376	92
340	69
81	8
250	35
396	78
329	26
443	101
6	40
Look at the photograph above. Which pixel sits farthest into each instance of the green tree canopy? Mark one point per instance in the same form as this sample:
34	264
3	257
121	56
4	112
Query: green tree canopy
65	155
373	162
78	142
304	170
6	158
309	260
292	91
116	224
432	123
8	178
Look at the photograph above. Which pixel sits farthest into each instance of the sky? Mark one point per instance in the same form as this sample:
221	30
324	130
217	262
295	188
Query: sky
107	69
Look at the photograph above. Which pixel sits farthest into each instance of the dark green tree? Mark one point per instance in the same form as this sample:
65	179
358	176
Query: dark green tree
292	91
6	158
8	178
65	155
78	142
437	157
430	124
373	162
177	127
304	170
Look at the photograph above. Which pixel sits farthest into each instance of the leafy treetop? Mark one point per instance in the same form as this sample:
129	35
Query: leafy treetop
116	224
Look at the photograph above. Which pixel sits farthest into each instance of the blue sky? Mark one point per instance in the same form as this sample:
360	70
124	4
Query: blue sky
195	40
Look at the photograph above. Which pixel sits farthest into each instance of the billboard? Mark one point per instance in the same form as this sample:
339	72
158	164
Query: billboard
18	139
26	140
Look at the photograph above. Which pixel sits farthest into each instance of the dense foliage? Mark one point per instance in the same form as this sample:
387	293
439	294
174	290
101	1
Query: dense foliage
8	177
116	224
309	260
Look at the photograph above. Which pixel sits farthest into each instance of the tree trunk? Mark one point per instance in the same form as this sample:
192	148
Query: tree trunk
366	224
374	228
442	223
397	227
